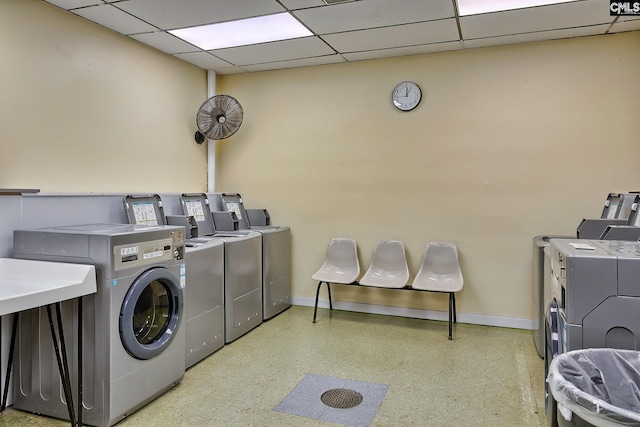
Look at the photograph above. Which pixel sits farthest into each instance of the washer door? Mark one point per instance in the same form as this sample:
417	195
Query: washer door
151	313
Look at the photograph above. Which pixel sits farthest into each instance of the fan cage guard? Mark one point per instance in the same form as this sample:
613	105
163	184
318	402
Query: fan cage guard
219	117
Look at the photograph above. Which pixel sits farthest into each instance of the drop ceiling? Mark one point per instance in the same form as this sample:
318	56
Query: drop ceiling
345	31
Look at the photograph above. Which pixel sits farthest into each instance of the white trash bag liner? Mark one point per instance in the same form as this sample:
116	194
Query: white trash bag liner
600	385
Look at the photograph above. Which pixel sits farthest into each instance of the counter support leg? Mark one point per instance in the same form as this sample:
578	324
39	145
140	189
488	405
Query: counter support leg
7	378
80	362
61	358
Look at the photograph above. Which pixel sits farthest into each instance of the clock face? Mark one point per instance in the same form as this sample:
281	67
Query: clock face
406	96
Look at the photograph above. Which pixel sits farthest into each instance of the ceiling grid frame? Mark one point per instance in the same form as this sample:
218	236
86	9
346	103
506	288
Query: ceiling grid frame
347	31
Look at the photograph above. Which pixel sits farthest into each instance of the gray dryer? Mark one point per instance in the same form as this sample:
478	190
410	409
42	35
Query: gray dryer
596	287
594	300
133	333
276	252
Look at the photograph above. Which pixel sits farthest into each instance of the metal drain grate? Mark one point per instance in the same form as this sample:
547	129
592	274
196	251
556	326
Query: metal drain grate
341	398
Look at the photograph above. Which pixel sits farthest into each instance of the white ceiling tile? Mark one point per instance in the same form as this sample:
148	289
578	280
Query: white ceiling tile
403	51
552	17
307	62
372	13
356	30
539	36
203	60
72	4
396	36
172	14
305	47
623	26
111	17
301	4
165	42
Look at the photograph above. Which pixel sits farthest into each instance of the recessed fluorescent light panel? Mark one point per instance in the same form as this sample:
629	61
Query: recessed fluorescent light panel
261	29
474	7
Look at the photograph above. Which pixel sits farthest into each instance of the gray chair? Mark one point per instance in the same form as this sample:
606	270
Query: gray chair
440	272
340	266
388	267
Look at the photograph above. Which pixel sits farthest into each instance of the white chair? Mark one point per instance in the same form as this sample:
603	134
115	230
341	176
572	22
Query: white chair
388	267
340	266
440	272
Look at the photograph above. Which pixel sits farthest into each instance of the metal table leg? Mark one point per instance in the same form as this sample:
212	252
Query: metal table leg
80	362
7	377
61	357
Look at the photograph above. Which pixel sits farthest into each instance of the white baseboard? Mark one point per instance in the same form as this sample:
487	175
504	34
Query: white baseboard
416	313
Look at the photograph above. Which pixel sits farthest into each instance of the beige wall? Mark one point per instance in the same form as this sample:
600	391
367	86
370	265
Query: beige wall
508	143
84	109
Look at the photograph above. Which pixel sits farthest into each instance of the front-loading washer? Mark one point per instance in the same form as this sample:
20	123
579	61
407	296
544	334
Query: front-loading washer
133	333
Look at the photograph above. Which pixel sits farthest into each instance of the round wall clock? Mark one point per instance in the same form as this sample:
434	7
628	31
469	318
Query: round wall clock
406	96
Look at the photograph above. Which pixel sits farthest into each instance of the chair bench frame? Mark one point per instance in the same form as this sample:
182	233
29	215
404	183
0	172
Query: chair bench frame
452	299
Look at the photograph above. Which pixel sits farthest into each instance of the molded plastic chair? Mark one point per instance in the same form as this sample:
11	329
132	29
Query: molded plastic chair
388	267
341	266
440	272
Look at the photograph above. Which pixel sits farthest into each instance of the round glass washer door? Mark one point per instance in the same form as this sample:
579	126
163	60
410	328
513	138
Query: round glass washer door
151	313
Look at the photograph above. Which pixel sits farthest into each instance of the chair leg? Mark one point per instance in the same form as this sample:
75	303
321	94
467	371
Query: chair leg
453	295
315	308
451	303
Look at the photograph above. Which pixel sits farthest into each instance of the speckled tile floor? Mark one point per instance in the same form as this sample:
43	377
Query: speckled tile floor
486	376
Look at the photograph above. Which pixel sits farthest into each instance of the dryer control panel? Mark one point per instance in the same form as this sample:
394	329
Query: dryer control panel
140	254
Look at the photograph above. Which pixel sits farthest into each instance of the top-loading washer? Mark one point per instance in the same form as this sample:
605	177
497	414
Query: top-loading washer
236	307
242	268
133	333
276	253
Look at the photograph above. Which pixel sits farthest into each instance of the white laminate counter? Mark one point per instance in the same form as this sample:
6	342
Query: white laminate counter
26	284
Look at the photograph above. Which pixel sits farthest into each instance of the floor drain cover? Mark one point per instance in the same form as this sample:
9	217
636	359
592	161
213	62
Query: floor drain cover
341	398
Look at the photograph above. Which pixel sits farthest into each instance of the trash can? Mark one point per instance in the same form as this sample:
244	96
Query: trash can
596	387
538	277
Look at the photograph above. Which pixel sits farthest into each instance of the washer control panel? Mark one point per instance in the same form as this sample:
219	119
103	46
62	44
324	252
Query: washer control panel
145	253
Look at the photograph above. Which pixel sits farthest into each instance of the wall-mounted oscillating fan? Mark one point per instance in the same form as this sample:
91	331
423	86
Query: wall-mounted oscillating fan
218	117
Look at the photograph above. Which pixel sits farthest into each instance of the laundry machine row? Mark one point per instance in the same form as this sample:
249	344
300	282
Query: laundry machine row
594	299
133	333
619	220
223	295
276	244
